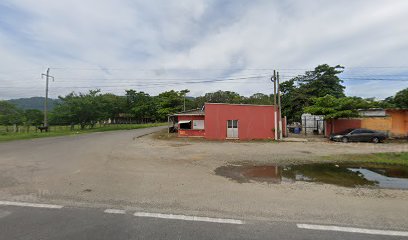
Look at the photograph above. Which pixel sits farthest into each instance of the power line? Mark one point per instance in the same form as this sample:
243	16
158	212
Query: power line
162	83
232	68
189	82
386	80
158	84
166	79
193	80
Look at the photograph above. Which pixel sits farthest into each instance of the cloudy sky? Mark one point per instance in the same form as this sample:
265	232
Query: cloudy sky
202	45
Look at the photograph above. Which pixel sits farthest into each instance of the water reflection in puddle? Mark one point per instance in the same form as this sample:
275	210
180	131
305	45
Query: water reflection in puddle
347	174
381	180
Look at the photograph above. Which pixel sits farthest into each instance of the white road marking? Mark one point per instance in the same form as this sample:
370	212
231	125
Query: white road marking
353	230
115	211
25	204
188	218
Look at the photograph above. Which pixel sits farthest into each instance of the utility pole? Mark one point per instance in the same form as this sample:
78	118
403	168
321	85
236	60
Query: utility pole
184	92
273	79
47	77
280	109
184	108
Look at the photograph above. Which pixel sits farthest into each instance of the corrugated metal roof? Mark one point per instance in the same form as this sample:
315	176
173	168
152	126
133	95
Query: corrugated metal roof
242	104
197	111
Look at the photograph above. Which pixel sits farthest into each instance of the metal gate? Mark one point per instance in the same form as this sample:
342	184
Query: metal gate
232	128
312	124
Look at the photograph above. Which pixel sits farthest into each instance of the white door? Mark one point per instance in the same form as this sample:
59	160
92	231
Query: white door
232	128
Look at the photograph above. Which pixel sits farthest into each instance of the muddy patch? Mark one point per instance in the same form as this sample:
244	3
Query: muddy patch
346	175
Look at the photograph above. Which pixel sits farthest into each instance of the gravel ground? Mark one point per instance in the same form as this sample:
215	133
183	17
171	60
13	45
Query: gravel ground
122	170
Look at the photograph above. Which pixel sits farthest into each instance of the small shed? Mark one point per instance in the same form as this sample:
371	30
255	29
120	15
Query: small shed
189	123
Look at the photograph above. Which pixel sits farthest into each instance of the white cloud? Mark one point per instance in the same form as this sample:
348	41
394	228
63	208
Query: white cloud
97	41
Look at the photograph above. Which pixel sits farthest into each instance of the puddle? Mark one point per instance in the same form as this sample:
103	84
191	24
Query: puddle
346	174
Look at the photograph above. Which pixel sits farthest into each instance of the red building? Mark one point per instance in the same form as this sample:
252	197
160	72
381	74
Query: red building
219	121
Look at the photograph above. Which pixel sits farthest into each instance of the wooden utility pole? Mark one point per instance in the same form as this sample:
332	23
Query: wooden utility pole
274	87
273	79
47	77
279	108
184	92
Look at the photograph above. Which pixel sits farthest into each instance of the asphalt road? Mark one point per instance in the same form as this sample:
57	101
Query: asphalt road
89	173
84	223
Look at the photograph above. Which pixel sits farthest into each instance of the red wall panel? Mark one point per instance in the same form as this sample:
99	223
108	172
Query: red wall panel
190	132
254	121
341	125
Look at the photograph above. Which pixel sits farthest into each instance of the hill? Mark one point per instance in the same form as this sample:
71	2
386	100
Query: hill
34	103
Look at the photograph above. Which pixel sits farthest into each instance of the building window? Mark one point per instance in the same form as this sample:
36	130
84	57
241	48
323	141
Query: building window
185	124
198	124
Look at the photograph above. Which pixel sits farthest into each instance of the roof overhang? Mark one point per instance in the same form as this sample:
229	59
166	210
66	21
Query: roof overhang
184	121
192	114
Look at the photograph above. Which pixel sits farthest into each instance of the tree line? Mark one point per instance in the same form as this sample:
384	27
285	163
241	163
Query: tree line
319	91
88	109
12	115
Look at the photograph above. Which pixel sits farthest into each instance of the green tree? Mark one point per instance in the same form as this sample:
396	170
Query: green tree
333	108
387	103
298	92
33	117
10	114
141	105
199	102
82	109
294	99
168	102
111	105
224	97
259	98
401	99
322	81
219	97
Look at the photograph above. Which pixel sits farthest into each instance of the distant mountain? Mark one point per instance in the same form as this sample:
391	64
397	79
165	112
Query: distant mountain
34	103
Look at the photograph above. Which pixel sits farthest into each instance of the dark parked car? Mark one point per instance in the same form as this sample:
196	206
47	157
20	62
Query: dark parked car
359	135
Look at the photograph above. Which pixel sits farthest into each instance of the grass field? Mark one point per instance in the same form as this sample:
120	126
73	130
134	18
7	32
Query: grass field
66	130
397	158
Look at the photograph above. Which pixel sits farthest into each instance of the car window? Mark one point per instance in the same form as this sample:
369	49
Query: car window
366	131
357	131
345	131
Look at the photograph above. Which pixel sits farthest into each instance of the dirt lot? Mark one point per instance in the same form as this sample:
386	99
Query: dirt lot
213	154
122	170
